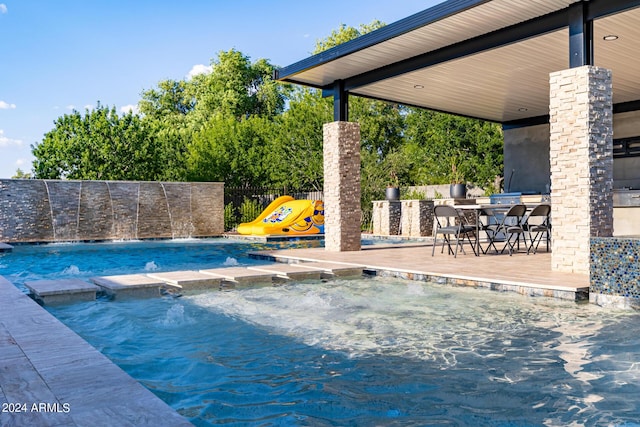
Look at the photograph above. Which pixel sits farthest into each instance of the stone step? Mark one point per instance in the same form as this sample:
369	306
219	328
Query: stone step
289	271
150	285
333	269
61	291
130	285
188	279
239	276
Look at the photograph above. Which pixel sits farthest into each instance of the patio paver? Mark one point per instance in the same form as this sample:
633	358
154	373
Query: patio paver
526	274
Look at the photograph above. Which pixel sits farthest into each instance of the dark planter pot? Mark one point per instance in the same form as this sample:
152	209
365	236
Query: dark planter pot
458	191
392	193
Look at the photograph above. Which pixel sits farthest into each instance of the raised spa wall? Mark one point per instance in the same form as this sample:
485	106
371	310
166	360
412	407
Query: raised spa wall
615	272
60	210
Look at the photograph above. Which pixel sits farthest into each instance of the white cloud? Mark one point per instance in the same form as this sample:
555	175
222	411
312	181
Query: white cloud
88	107
131	107
20	162
7	106
3	8
7	142
70	107
199	69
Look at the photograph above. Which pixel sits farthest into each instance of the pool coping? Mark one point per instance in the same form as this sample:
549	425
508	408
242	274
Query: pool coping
51	376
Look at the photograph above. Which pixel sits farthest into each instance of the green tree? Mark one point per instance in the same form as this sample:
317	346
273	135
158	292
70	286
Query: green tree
344	34
98	145
435	141
295	156
382	127
21	175
237	88
231	150
170	99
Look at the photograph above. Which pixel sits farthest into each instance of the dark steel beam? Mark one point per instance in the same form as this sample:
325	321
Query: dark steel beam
601	8
621	107
526	122
580	36
421	107
340	102
624	107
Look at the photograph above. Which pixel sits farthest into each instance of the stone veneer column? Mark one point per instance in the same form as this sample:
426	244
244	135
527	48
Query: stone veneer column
342	212
581	127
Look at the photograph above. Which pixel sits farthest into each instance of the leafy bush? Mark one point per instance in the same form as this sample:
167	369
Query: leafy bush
413	195
249	210
230	221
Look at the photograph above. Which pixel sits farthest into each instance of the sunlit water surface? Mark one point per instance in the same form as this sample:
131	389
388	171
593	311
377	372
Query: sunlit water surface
371	351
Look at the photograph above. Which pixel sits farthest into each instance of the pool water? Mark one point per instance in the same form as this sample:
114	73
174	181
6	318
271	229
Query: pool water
84	260
371	351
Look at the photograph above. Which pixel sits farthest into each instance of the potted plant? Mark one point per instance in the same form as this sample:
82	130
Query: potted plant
393	189
458	187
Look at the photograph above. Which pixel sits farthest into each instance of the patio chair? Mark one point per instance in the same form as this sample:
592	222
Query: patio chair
488	225
451	224
541	228
511	224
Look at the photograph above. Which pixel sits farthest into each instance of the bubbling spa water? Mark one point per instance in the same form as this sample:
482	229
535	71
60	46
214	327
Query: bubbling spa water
374	352
369	351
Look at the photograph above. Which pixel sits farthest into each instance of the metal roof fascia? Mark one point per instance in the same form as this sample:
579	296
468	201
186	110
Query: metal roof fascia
405	25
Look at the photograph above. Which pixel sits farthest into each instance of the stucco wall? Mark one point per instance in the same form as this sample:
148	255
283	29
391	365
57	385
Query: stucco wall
526	159
526	154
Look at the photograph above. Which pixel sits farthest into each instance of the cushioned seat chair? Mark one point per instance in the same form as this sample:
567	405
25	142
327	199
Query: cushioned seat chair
451	224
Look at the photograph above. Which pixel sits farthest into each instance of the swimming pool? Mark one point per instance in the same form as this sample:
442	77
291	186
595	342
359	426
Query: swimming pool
84	260
371	351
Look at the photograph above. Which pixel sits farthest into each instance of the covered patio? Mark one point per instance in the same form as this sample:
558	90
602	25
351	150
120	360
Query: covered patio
559	75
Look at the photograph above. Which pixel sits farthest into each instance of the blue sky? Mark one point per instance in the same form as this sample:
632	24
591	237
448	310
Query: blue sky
56	56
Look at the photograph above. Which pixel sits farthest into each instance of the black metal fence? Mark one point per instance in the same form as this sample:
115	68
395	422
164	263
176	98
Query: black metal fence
244	204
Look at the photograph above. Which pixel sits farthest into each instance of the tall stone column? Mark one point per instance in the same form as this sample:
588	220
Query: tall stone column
342	212
581	140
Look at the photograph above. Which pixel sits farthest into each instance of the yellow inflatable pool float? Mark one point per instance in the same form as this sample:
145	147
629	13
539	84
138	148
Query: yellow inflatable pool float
287	216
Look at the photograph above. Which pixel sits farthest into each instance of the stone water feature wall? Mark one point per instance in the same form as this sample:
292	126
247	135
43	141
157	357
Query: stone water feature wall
59	210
